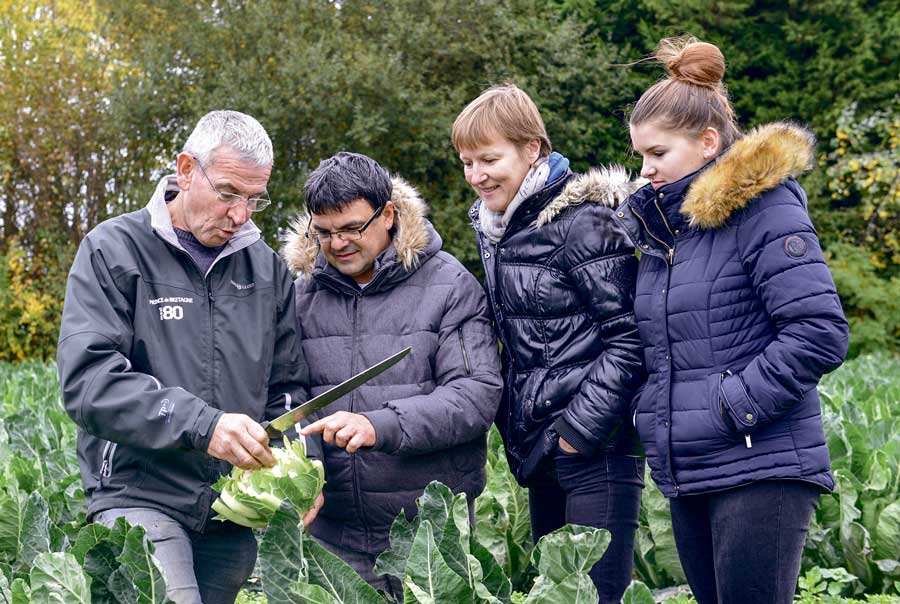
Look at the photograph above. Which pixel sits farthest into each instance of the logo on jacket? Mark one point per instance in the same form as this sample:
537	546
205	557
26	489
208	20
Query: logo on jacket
795	246
170	308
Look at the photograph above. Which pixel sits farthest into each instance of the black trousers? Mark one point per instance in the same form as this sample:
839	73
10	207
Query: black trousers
603	491
743	545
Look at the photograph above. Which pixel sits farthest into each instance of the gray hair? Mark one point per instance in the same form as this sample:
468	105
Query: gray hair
233	129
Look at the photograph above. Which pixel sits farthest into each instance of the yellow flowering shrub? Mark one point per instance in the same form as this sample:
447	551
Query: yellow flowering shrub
32	286
864	173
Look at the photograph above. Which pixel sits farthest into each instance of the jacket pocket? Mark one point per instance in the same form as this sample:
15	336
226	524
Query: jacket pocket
107	457
534	406
718	413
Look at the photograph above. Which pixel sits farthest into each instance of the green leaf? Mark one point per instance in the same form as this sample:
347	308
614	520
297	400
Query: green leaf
429	580
12	517
857	551
493	578
337	577
304	593
138	580
392	561
887	542
35	538
96	547
638	593
281	558
568	550
5	592
574	589
57	578
21	593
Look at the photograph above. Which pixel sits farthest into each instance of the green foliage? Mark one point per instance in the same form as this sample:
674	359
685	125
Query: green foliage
870	301
32	286
503	523
857	527
656	560
98	97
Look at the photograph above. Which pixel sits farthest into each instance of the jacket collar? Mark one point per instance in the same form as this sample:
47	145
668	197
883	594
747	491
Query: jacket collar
414	240
604	186
760	161
161	221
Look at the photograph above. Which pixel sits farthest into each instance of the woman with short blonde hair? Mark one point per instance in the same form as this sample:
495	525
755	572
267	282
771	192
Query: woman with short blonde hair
560	280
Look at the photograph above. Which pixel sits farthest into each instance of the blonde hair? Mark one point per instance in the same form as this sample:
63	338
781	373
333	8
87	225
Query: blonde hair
504	110
692	97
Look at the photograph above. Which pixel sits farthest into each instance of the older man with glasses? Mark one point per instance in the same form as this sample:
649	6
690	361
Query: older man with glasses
373	280
177	340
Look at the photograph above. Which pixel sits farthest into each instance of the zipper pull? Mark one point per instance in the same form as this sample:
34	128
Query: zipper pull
671	255
747	440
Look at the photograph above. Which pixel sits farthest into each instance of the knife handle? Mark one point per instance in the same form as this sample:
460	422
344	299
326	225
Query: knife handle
270	430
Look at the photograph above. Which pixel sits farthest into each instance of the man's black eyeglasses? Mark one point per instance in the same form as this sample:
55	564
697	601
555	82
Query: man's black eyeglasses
345	235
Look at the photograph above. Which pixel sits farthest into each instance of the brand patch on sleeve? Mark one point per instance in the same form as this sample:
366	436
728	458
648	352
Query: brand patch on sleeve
795	246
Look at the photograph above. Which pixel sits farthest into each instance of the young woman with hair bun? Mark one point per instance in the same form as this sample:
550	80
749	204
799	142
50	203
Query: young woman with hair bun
739	319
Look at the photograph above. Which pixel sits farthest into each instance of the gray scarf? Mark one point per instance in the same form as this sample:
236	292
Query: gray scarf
494	224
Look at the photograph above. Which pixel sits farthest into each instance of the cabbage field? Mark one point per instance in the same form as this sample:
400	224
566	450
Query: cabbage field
49	554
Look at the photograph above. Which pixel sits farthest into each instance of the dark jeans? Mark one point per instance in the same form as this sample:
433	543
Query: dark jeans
603	491
200	568
744	545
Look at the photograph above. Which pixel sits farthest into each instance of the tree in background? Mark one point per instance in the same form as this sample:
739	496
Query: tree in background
96	99
60	160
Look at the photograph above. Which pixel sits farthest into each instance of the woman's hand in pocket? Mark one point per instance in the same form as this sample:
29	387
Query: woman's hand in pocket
566	447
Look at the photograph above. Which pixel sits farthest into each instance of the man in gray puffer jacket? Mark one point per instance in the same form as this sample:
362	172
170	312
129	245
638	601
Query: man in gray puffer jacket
372	280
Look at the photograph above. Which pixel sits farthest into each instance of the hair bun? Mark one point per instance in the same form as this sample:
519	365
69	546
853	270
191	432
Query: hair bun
687	59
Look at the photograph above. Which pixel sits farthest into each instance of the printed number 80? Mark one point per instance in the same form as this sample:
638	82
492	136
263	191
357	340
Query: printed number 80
167	313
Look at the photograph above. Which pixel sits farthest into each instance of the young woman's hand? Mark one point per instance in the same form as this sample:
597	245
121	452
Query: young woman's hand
565	446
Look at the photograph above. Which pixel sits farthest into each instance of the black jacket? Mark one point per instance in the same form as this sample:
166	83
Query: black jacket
561	286
152	352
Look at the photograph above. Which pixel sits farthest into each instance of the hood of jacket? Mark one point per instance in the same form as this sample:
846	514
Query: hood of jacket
605	186
759	161
412	235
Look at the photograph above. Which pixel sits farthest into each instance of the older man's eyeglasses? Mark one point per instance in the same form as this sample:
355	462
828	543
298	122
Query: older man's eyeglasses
345	235
256	203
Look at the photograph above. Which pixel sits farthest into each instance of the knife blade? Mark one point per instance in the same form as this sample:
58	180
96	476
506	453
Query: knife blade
277	426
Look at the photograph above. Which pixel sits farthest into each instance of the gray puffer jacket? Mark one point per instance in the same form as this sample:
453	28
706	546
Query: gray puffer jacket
431	411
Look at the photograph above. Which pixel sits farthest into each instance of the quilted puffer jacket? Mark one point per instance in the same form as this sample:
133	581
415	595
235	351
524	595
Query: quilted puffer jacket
738	317
561	287
432	410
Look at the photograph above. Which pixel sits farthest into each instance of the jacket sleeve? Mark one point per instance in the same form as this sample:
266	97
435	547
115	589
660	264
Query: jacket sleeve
100	390
780	251
467	370
600	262
289	375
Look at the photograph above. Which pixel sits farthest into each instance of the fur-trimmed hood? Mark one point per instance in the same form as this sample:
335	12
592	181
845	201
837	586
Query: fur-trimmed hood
607	186
411	237
756	163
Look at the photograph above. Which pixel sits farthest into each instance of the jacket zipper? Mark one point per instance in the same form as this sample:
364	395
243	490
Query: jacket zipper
462	346
109	452
668	228
670	251
670	258
357	496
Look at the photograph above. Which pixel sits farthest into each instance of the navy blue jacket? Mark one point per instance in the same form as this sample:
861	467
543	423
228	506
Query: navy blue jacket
561	287
738	317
